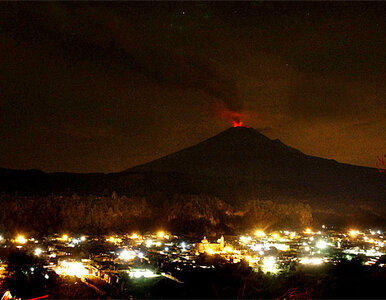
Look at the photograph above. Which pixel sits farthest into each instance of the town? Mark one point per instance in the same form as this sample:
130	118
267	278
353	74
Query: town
105	264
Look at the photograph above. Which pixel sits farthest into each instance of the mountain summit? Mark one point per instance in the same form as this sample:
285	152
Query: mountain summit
241	163
241	152
235	152
238	165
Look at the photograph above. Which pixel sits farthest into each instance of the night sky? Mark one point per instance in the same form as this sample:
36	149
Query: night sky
101	87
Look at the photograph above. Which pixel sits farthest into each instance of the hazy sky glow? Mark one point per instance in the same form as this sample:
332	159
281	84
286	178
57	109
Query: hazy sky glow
89	87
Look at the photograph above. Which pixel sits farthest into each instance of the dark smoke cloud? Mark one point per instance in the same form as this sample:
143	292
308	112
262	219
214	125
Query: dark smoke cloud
106	37
97	86
191	73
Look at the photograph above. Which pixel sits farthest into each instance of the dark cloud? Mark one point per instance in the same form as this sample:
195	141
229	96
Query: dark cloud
104	86
104	37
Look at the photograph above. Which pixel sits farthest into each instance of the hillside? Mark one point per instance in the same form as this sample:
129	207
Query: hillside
237	165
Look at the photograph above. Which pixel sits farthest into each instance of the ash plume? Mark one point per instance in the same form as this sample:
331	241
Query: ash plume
110	40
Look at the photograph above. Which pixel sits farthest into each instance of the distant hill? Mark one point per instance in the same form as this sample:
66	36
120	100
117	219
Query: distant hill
237	165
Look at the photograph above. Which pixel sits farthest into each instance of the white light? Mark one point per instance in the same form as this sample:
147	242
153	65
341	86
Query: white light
21	239
127	255
149	243
311	261
257	247
321	244
83	238
166	248
72	269
141	255
269	264
260	233
281	247
142	273
46	276
245	239
38	251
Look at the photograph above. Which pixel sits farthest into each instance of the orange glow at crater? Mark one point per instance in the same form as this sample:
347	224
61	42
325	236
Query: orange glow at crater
233	117
237	123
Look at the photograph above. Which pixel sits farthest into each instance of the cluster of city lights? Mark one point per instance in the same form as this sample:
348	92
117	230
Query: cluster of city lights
71	268
269	252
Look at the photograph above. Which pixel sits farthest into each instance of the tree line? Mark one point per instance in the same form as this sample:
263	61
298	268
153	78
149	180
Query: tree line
179	213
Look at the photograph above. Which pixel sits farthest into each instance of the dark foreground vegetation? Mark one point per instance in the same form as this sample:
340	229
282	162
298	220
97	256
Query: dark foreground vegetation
347	279
198	214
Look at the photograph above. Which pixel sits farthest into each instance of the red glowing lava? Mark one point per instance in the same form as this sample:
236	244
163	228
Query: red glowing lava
234	117
237	123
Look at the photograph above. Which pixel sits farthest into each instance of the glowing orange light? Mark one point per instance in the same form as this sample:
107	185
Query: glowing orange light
21	239
134	236
259	233
237	123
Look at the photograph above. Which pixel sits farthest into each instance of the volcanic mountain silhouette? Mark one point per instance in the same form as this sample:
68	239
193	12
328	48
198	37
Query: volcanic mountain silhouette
237	165
240	152
241	163
245	153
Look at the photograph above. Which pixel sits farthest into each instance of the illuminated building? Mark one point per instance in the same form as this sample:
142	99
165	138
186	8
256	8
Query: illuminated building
211	248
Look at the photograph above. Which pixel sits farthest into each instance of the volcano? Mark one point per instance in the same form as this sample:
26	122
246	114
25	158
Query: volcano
238	152
244	153
237	165
241	163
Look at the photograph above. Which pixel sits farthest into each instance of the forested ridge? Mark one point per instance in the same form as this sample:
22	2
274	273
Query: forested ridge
196	214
